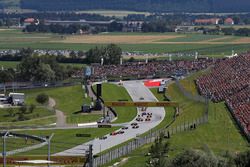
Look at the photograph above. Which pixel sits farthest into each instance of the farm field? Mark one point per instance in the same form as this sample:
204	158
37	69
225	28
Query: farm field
119	14
132	42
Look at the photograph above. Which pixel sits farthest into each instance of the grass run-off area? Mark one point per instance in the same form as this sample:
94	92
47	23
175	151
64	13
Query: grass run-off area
62	139
220	134
68	100
11	116
16	39
112	92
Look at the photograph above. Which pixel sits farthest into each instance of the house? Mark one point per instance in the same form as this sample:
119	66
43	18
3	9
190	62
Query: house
132	26
212	21
29	21
229	21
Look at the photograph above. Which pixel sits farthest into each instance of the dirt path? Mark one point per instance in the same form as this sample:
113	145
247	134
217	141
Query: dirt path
60	117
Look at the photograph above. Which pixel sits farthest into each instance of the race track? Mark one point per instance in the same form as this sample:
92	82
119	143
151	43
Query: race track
136	90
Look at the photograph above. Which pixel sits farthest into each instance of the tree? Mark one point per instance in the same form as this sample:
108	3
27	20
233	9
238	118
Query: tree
32	108
42	98
23	109
114	26
157	153
195	158
131	59
11	112
21	117
36	68
80	54
243	159
72	55
228	31
112	54
7	75
236	20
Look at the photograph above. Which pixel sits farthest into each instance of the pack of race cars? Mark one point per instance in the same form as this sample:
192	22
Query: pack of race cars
134	125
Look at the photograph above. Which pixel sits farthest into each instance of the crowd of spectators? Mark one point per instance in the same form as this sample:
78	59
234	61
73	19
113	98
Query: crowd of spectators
229	81
150	69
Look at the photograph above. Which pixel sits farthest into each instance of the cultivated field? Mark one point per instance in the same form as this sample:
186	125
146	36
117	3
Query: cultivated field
215	45
111	13
118	39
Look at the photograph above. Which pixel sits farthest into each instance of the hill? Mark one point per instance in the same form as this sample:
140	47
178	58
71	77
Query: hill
221	6
139	5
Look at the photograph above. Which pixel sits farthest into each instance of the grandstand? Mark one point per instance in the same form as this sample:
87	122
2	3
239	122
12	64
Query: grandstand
151	69
229	81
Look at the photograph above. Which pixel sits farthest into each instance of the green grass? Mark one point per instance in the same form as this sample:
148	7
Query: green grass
220	135
110	13
193	38
86	118
39	112
112	92
44	121
204	49
8	64
68	99
15	39
62	140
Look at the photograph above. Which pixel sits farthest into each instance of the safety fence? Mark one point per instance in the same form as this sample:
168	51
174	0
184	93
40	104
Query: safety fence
149	138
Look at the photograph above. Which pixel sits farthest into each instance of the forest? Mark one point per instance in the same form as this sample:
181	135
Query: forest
139	5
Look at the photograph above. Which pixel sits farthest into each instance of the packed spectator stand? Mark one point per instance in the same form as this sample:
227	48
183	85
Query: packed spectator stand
150	69
229	81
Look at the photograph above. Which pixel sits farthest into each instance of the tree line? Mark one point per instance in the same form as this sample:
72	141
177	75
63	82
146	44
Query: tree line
46	68
225	31
36	68
228	6
73	28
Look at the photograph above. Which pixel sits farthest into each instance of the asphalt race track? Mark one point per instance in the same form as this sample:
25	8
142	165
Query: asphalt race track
137	91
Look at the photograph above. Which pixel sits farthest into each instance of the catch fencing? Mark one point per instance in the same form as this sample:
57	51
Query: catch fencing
150	137
146	139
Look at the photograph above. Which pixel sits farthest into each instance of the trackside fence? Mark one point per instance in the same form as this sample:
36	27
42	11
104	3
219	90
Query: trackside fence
149	138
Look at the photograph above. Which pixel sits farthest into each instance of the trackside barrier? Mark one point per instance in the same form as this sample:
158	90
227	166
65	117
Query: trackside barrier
149	138
152	135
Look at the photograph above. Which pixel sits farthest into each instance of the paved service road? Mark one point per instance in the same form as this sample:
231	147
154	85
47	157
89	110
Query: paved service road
137	91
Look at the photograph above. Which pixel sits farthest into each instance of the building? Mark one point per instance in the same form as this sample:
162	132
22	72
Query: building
229	21
3	98
17	98
29	21
131	26
212	21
